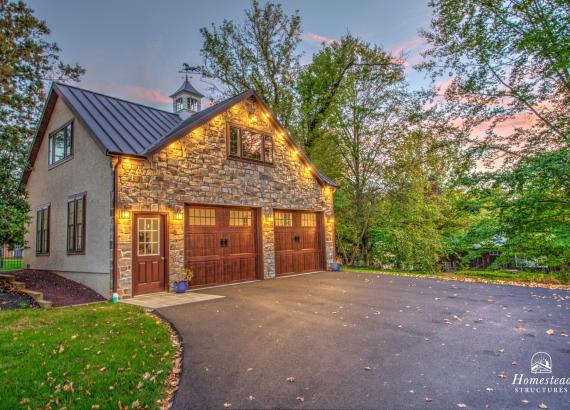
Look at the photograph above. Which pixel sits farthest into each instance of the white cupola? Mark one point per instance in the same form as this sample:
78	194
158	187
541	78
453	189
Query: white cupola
187	100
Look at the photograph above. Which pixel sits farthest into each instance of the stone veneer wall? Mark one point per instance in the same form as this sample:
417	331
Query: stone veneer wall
195	169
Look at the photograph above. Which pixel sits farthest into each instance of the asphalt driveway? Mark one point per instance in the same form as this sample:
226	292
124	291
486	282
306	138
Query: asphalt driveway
354	340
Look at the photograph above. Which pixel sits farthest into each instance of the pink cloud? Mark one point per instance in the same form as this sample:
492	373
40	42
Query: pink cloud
318	38
408	45
147	95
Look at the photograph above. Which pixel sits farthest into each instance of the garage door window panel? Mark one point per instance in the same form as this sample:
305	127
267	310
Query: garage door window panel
202	217
283	219
240	218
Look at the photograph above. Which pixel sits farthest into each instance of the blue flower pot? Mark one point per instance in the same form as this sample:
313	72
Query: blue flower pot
335	267
181	287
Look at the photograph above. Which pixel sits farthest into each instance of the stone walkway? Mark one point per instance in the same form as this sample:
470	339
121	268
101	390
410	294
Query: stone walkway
165	299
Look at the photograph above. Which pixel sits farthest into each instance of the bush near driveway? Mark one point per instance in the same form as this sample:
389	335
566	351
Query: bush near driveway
101	355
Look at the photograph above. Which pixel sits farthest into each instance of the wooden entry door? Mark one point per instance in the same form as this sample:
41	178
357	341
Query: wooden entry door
221	244
298	242
149	253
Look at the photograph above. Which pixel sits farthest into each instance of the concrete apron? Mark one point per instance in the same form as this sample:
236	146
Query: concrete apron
164	299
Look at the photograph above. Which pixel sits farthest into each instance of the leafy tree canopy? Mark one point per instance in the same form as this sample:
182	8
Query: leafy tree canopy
27	60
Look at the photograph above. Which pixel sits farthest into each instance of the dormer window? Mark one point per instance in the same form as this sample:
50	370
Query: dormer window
60	144
250	145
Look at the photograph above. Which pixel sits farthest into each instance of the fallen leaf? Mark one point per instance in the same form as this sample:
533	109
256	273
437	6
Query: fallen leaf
251	397
524	401
301	399
563	334
249	369
514	363
490	389
461	405
136	404
291	379
542	406
227	405
103	369
367	368
549	332
68	387
61	348
429	399
501	350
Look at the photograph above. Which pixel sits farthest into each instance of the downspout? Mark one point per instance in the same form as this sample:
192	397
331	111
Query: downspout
115	225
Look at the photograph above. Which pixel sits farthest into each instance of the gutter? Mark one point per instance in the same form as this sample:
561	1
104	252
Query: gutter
115	219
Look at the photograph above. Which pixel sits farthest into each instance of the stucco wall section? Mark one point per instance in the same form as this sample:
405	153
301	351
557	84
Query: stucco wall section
195	169
88	171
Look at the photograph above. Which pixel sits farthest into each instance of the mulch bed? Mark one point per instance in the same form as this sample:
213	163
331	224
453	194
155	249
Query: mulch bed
10	298
61	291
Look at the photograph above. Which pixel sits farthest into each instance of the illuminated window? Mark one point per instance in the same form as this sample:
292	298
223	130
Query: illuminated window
283	219
250	145
309	220
149	238
202	216
240	218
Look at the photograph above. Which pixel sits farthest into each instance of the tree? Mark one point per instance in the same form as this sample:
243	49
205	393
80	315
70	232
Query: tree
27	60
526	208
261	53
508	60
350	97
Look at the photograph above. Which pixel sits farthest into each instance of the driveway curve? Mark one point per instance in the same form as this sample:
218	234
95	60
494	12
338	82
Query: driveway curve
355	340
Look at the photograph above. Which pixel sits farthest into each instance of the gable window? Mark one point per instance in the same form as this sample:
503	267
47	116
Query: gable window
76	224
60	144
250	145
42	230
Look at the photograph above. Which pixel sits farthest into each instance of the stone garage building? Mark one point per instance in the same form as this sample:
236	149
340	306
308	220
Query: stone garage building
125	197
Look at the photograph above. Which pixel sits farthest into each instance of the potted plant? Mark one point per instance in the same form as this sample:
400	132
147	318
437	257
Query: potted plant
335	267
181	285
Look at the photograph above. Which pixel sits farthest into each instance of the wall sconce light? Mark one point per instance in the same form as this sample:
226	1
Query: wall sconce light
268	215
330	217
178	216
124	214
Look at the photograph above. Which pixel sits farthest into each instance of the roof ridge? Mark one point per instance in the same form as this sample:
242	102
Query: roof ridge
116	98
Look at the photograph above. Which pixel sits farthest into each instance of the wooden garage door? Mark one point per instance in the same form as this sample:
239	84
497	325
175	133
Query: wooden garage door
298	242
221	244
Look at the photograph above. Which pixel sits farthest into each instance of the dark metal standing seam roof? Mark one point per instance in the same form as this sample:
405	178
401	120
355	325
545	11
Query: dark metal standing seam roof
127	128
121	126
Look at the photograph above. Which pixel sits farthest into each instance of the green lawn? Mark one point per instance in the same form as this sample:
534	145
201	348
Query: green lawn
496	276
11	264
106	355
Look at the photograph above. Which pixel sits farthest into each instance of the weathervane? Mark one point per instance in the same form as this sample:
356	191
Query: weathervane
186	68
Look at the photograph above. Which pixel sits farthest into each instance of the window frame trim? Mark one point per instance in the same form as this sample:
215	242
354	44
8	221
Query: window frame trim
240	158
70	156
74	198
39	209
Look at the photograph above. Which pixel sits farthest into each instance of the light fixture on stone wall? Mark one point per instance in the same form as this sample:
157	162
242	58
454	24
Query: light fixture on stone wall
124	214
178	215
268	215
330	217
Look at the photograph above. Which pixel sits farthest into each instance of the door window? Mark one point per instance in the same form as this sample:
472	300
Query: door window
149	238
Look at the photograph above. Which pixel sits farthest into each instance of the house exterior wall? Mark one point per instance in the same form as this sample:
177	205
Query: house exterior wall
88	171
195	169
